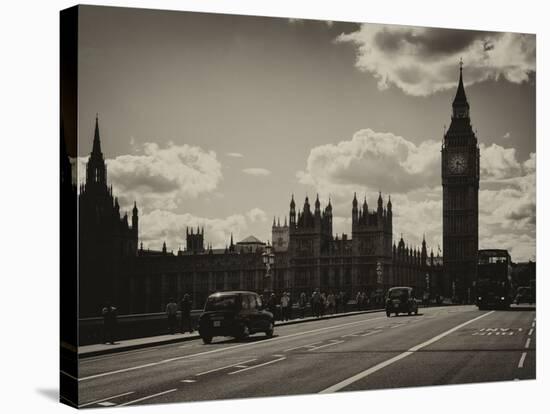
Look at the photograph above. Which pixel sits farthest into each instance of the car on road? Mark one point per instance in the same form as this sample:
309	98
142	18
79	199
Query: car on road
524	294
401	299
235	314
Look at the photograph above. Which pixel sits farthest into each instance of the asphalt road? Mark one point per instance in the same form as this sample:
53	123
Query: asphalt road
446	345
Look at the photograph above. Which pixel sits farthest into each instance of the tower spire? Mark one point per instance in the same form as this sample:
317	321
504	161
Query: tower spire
96	147
461	106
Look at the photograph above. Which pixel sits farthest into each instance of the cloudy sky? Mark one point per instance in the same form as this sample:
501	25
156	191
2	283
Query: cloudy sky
215	120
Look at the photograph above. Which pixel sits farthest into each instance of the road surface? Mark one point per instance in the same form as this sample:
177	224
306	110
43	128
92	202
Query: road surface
443	345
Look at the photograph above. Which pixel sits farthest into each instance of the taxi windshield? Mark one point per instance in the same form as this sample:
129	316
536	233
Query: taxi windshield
221	302
398	294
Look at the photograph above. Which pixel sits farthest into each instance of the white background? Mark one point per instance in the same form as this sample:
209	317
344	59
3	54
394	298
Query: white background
29	204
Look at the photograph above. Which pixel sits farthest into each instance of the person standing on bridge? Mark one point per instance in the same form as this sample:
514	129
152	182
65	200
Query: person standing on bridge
185	308
171	313
302	303
109	323
316	303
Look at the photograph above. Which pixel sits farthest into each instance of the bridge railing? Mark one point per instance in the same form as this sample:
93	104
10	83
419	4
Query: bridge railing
154	324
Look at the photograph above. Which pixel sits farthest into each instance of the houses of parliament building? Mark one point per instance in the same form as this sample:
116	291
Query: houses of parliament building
306	254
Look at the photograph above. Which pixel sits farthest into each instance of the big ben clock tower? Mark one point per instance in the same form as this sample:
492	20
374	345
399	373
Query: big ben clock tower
460	180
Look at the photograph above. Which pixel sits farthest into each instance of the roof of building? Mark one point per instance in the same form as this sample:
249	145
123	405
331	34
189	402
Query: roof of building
251	240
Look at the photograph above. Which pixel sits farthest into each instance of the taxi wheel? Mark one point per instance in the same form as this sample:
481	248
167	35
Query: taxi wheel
388	314
269	332
245	332
207	339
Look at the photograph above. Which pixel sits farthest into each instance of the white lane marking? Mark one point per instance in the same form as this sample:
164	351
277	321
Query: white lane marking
312	345
188	380
237	365
104	399
147	397
397	326
522	360
324	346
378	367
93	359
351	334
528	343
106	404
257	366
275	355
372	332
251	344
530	332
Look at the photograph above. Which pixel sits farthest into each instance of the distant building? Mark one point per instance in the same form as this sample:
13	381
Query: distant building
105	237
279	236
367	262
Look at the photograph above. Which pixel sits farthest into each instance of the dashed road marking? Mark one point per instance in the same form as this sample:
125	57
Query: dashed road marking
312	345
530	332
333	342
158	394
106	404
372	332
104	399
351	334
258	366
236	365
528	343
411	351
189	380
522	360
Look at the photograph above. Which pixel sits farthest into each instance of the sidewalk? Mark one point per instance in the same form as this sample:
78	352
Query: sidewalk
131	344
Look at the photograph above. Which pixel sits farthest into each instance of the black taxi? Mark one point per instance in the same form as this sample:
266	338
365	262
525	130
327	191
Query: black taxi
401	299
236	314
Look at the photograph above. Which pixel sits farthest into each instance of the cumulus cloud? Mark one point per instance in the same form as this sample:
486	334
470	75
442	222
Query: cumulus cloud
421	61
372	161
257	215
161	177
257	171
497	162
158	226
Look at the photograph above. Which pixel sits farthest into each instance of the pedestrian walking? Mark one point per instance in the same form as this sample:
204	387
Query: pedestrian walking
172	314
285	303
302	303
331	301
315	303
359	300
323	304
185	309
109	313
272	305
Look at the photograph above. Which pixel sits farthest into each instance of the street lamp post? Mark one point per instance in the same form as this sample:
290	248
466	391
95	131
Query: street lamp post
268	259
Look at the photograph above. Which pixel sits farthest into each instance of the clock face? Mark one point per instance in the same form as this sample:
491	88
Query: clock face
457	163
